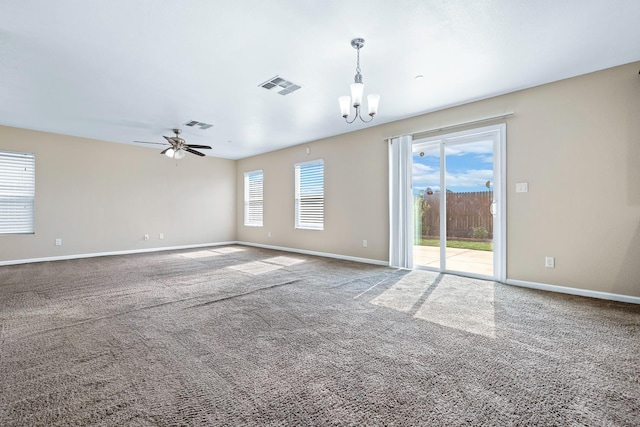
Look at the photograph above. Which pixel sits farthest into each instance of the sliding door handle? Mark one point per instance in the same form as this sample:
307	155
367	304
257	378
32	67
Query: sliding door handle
493	208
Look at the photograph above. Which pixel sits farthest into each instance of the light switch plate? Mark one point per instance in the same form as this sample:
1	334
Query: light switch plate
522	187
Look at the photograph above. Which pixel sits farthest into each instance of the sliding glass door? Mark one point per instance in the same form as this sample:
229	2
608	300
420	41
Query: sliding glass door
457	194
426	202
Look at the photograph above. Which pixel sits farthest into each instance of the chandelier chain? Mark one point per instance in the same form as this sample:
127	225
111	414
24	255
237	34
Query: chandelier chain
358	62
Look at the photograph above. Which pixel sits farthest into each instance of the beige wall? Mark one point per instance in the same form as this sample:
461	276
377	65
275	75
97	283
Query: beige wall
576	142
356	184
101	196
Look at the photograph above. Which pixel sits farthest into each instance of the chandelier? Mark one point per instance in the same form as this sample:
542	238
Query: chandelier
357	88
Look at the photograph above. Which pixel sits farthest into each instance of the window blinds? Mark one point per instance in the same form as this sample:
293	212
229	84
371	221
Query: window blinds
17	192
310	195
253	201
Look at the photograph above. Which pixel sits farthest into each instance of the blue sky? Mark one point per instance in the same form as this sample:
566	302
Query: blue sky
469	167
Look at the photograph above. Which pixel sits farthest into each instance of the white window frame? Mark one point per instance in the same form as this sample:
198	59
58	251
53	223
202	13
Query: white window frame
254	198
17	192
309	216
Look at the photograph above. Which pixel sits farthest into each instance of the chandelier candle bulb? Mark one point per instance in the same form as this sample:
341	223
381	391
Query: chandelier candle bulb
345	105
373	101
356	93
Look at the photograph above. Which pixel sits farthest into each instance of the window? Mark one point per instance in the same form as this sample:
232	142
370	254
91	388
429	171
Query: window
253	202
17	192
310	195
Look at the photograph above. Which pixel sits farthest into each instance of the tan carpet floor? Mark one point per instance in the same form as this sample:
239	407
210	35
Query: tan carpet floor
244	336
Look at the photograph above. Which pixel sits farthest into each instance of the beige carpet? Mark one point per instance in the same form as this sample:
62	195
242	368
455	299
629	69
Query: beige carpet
245	336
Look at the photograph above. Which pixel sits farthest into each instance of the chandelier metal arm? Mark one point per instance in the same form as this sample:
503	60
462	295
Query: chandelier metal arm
354	119
358	115
366	121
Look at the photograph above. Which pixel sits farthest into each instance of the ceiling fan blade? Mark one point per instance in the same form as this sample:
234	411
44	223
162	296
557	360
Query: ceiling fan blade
170	139
197	153
204	147
147	142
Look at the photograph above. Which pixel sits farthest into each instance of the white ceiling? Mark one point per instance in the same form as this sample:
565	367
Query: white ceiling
125	70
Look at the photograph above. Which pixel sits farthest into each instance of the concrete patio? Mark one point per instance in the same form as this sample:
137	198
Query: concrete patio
464	260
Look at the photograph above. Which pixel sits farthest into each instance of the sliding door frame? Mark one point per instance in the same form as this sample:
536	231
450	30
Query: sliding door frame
498	135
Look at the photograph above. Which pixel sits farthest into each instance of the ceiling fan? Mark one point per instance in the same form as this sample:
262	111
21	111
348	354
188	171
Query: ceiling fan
178	146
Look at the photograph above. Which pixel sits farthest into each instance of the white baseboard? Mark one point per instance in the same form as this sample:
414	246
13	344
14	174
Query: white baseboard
202	245
522	283
125	252
314	253
574	291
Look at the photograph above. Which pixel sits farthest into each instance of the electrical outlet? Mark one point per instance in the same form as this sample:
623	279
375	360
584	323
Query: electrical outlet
550	262
161	236
146	237
269	234
364	243
58	242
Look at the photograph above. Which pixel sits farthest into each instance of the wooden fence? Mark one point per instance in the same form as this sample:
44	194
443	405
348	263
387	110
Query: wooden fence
468	215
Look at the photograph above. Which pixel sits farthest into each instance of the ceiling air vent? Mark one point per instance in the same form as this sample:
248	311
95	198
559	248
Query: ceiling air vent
284	87
201	125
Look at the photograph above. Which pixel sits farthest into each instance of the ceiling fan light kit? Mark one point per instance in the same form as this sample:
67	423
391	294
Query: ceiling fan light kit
357	90
175	154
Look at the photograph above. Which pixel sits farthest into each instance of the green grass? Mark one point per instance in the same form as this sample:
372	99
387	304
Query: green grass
459	244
